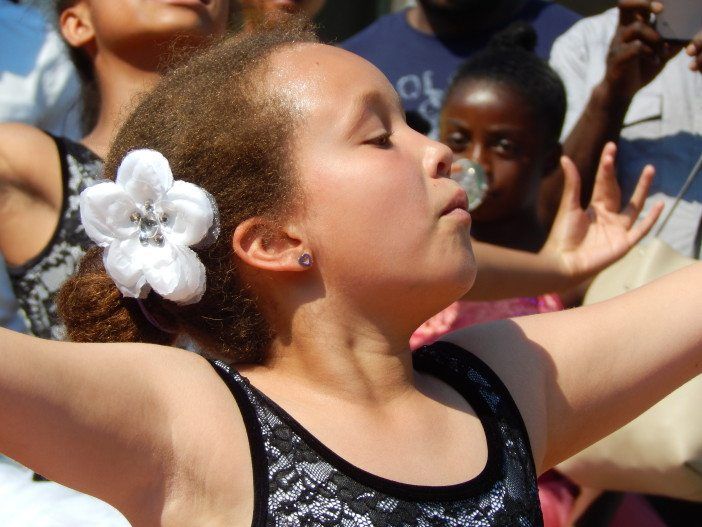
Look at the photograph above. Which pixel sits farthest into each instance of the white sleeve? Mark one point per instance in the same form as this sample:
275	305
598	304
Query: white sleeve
569	58
579	57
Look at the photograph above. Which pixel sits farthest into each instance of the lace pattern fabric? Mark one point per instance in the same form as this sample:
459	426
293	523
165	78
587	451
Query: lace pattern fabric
299	482
36	283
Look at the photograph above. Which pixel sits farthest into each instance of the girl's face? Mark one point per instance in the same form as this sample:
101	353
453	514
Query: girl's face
135	23
385	224
491	124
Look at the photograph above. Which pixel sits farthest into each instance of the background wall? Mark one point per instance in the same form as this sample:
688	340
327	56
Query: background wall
342	18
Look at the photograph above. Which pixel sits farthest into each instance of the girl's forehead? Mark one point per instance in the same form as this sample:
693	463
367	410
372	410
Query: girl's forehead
314	60
318	75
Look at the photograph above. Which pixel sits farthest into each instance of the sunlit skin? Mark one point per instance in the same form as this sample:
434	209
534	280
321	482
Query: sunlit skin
491	124
360	164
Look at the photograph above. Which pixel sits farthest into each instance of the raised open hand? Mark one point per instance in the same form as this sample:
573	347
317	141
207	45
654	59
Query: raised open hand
585	241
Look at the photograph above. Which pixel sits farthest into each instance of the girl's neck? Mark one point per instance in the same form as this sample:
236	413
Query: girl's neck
340	356
523	231
120	85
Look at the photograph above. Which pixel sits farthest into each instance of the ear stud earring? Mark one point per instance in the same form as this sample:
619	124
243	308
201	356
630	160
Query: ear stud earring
305	260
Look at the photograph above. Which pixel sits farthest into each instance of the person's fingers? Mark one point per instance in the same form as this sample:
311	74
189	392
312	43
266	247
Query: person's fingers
694	49
624	53
570	198
695	45
632	10
606	188
639	30
640	230
638	198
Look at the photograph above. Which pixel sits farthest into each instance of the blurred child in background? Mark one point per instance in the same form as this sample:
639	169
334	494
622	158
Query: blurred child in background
504	110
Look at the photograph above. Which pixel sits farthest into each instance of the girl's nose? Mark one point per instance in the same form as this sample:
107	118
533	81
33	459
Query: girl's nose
437	160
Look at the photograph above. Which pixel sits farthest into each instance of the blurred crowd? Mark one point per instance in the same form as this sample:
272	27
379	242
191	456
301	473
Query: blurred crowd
509	85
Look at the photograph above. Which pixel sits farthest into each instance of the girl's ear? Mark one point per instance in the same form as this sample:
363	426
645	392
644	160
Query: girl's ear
76	25
264	244
552	159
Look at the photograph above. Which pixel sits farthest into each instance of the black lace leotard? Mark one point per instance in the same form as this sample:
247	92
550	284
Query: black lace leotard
36	282
299	482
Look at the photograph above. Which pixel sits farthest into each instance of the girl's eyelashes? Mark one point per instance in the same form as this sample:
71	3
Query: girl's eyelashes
382	140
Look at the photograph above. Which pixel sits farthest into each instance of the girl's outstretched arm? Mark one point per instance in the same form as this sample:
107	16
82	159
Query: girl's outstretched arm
105	419
578	375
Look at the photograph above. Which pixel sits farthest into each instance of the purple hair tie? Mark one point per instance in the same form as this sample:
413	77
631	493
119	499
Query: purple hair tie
148	316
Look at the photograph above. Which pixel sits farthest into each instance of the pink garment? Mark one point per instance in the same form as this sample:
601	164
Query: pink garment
557	495
463	313
635	511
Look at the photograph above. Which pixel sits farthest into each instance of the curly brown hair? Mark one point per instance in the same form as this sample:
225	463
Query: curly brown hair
221	129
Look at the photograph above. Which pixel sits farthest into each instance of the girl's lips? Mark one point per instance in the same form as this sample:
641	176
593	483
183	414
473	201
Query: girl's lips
460	214
459	201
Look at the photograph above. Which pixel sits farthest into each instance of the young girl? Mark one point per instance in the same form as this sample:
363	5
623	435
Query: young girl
121	49
338	232
504	110
121	52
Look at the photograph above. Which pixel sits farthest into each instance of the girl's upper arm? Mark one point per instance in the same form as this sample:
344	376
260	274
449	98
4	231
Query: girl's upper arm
580	374
101	418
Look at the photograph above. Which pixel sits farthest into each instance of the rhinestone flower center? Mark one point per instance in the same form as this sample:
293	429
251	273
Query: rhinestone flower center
150	221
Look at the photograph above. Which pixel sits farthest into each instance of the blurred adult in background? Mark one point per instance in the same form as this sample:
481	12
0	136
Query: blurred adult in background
120	49
255	12
420	48
626	84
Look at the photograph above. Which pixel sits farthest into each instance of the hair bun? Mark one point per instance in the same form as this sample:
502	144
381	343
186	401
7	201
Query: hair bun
518	35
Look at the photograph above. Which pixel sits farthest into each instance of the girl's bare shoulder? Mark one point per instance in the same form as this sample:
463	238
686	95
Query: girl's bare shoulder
29	160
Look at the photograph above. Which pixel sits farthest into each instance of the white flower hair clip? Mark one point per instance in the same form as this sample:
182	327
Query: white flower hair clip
147	223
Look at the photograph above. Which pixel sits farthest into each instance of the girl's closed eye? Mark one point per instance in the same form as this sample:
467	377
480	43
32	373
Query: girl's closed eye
382	140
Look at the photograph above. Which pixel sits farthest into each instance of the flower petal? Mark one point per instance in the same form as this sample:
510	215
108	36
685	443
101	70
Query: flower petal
190	213
145	175
176	274
104	211
124	263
